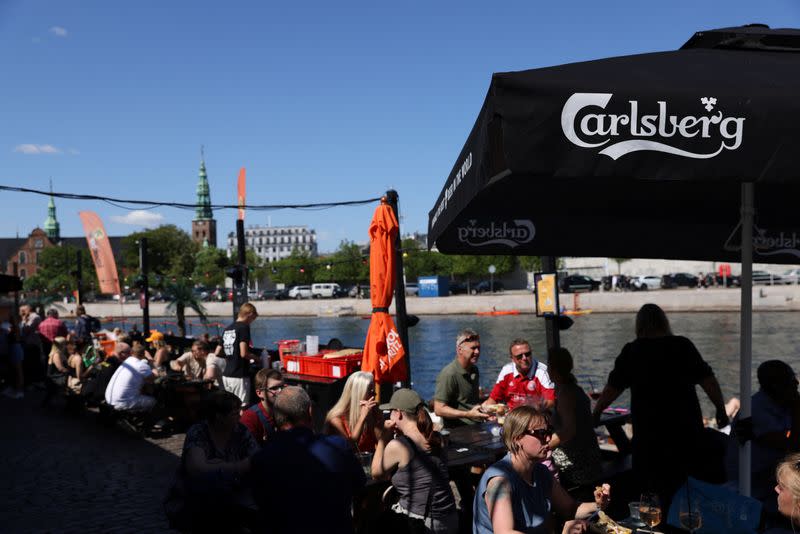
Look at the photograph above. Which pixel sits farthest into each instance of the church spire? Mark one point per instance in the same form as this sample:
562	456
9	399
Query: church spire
51	226
203	210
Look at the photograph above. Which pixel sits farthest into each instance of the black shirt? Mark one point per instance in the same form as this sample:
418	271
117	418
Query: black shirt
235	365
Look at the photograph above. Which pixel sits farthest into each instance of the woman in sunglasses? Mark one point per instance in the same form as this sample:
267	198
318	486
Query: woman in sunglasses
355	416
518	493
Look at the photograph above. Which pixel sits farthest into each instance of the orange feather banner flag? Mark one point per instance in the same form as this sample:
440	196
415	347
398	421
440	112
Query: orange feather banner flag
100	248
242	184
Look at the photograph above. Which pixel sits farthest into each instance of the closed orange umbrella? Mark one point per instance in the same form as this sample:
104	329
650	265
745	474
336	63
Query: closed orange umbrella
384	355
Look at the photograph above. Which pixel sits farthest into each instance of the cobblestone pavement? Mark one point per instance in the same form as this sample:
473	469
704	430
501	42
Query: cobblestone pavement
68	473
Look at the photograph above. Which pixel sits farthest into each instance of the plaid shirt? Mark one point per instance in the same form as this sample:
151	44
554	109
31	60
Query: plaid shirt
51	328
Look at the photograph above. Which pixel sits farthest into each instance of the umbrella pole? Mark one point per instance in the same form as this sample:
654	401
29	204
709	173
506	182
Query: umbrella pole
746	331
552	334
400	285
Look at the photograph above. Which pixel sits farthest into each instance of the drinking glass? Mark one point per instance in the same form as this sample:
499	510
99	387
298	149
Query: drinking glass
649	510
690	517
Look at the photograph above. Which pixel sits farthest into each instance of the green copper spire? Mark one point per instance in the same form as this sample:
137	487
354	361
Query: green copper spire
51	226
203	210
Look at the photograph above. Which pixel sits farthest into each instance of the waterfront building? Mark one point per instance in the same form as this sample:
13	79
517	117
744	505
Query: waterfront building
204	227
25	251
273	243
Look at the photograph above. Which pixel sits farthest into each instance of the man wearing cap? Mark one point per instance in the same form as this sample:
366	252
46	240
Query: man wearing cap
306	481
456	398
236	348
524	380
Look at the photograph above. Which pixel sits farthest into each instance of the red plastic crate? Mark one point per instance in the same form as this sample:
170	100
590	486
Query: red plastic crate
319	366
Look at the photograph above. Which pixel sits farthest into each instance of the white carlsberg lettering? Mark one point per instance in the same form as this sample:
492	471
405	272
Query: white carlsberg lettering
599	129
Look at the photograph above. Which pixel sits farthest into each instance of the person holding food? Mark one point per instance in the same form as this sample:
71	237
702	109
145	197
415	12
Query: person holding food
524	380
518	493
456	399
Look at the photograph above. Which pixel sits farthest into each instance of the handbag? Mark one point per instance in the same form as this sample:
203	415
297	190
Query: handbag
722	510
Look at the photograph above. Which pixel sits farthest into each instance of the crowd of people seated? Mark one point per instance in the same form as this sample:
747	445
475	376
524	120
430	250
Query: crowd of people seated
548	431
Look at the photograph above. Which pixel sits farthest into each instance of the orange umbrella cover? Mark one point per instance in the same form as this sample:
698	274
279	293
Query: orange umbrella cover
384	355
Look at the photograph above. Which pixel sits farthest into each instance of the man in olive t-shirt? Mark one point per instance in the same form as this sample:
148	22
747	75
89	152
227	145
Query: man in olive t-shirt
456	399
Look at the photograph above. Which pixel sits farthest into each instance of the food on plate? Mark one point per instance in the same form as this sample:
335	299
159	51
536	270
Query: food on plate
606	525
496	409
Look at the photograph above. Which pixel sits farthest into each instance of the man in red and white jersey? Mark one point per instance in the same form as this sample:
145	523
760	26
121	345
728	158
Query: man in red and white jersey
523	381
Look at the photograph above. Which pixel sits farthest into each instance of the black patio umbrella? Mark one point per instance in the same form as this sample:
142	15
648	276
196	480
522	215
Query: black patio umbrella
649	156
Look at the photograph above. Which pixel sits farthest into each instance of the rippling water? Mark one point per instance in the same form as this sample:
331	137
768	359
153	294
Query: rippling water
594	341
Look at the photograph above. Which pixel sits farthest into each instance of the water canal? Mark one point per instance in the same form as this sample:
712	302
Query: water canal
594	341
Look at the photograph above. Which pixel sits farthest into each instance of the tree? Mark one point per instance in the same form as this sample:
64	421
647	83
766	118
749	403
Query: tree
170	251
531	264
419	262
348	264
297	269
55	268
209	267
180	295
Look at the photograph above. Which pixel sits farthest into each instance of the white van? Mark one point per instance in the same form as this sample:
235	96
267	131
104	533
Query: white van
327	290
300	292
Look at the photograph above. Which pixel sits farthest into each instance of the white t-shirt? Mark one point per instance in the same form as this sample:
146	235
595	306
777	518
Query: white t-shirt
219	367
125	386
192	369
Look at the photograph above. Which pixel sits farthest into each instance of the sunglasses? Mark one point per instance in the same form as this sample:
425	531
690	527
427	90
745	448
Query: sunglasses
540	433
469	339
523	355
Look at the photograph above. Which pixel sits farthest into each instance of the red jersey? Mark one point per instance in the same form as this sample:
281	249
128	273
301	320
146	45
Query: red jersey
515	389
259	422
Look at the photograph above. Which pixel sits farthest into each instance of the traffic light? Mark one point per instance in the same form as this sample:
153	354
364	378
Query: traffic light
236	273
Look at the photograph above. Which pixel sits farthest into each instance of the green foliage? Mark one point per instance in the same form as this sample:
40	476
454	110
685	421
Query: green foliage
180	296
54	273
170	251
347	264
531	264
209	267
298	268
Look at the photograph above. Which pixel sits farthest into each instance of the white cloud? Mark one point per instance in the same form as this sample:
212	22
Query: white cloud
36	149
148	219
58	31
73	151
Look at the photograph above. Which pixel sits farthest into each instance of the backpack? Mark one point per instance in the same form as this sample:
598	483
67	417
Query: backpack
269	430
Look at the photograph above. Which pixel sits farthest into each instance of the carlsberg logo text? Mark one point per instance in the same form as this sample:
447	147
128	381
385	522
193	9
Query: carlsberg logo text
633	131
522	231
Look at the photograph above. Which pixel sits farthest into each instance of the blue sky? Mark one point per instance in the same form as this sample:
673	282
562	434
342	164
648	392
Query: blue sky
320	101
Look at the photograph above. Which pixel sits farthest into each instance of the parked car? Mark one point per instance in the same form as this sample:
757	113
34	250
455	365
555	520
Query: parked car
578	282
791	277
458	288
485	286
300	292
763	277
412	290
673	280
358	291
274	294
645	282
326	290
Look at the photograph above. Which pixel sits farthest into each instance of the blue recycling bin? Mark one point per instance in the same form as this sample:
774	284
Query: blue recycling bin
433	286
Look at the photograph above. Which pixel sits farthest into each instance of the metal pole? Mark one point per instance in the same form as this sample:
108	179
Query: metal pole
144	270
240	287
552	334
15	270
79	276
746	333
399	284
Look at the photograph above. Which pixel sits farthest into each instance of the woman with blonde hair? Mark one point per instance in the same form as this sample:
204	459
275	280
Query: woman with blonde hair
355	415
57	369
518	493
